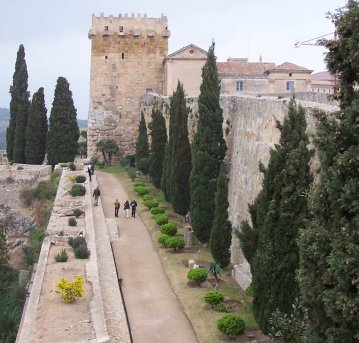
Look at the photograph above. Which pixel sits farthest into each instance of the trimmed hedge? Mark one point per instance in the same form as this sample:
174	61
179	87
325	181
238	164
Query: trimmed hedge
157	210
231	325
141	190
161	219
169	229
162	240
139	184
213	298
175	243
151	203
77	190
147	197
198	275
80	178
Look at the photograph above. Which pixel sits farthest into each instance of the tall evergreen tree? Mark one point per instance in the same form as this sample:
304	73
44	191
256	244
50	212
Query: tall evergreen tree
4	262
208	151
15	134
63	130
167	166
277	214
221	233
142	146
329	246
36	129
181	155
159	139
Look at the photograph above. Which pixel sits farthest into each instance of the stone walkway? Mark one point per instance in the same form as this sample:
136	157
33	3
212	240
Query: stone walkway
154	312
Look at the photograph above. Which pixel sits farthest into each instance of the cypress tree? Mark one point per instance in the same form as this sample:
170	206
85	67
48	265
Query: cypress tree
277	214
329	245
15	134
36	129
221	233
181	155
208	151
142	147
159	139
63	129
167	166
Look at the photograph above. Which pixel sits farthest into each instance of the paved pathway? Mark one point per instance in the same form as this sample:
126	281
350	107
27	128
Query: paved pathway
154	312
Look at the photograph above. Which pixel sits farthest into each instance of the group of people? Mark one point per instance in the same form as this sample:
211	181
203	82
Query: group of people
126	206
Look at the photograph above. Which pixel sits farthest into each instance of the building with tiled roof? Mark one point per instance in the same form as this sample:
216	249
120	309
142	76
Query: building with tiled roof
323	82
239	75
184	65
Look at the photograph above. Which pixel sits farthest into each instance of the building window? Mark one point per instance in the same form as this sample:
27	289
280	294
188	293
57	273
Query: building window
123	55
120	28
106	57
106	28
290	86
148	90
239	86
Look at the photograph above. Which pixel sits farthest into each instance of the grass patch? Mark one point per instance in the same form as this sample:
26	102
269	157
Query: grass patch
203	320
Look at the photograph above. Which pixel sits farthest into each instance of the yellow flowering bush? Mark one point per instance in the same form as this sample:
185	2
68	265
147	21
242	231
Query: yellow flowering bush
69	291
72	178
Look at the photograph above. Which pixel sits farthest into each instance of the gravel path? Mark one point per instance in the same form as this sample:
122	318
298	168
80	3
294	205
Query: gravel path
154	312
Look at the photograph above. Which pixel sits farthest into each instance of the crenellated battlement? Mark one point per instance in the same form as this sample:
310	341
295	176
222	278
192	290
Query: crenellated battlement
129	24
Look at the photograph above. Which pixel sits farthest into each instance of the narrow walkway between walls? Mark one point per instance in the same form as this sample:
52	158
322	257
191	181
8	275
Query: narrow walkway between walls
154	312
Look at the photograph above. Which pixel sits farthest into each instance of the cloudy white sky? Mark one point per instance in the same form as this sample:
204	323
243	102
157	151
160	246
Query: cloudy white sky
54	34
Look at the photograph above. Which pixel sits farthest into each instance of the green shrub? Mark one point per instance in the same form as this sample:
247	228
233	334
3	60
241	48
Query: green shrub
162	240
62	256
169	229
249	291
77	212
161	219
81	251
175	243
75	242
45	190
231	325
198	275
72	166
72	221
141	190
213	298
151	203
55	176
80	179
77	190
128	161
214	269
139	184
147	197
9	324
33	247
157	210
101	164
64	165
221	307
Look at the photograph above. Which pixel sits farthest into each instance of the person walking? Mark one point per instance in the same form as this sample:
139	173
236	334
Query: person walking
92	168
133	208
117	207
126	207
89	171
96	194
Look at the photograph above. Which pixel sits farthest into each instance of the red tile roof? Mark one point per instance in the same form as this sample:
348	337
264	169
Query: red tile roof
322	76
243	68
287	66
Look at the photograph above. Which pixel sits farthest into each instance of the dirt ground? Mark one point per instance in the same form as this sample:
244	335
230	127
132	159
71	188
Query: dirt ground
57	321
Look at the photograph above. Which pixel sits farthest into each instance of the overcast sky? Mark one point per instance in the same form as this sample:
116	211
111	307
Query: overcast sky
54	34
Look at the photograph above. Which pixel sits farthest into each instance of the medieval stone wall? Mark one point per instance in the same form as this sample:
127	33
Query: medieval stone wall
250	130
126	62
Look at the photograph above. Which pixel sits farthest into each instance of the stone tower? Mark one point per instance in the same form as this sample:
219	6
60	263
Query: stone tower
127	56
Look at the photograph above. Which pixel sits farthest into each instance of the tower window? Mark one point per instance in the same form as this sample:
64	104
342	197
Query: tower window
106	28
123	55
120	28
106	57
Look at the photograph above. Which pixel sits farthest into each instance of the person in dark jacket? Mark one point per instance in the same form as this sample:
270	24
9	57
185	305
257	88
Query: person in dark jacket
133	208
96	194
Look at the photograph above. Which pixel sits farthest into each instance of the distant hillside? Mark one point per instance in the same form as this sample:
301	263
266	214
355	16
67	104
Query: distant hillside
4	122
